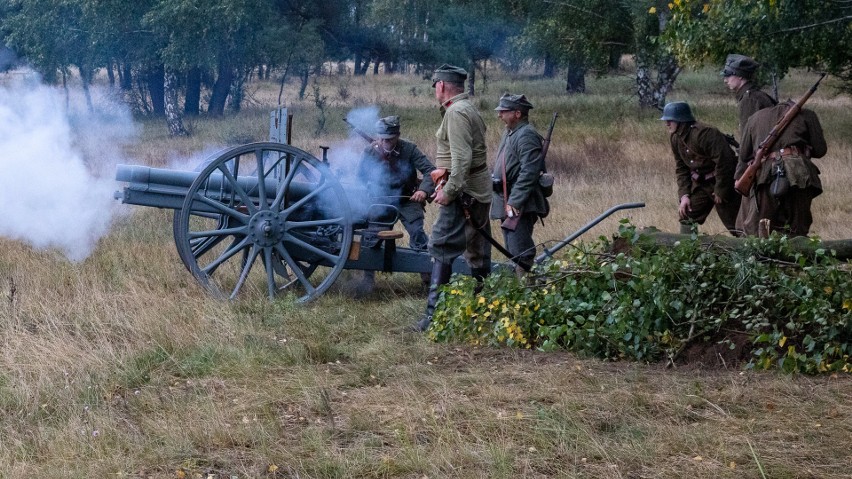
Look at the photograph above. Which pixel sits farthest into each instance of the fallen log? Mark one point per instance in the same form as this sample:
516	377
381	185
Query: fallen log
803	245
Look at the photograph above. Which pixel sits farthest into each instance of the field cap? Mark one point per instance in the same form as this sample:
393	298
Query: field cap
387	127
677	111
739	65
510	102
449	73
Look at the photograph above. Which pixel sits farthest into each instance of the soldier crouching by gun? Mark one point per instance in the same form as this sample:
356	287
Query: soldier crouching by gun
778	144
389	168
704	163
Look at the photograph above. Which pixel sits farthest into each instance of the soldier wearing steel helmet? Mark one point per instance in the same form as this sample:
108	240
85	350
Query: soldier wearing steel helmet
738	75
704	164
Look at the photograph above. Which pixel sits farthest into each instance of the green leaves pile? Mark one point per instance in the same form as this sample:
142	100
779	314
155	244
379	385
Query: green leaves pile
651	302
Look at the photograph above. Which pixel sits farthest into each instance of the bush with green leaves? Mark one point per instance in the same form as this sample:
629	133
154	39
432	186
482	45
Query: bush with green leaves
649	302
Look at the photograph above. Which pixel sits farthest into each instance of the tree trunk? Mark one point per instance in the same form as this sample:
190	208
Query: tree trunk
125	77
667	72
644	89
110	74
471	79
304	85
192	100
575	81
653	93
173	118
221	88
142	88
86	80
237	91
549	67
801	244
155	89
357	71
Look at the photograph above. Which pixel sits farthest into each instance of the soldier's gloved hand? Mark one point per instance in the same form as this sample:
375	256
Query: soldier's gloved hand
684	207
511	211
418	196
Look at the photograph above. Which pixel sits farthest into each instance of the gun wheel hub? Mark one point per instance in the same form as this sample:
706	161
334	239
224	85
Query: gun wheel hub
266	228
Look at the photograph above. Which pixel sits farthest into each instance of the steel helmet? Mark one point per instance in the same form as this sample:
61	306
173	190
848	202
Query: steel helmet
677	111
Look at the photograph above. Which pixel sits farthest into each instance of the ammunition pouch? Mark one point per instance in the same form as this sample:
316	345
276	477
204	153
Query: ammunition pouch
497	185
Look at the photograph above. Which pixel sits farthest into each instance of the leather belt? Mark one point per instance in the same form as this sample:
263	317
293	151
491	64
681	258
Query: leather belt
477	169
696	176
786	151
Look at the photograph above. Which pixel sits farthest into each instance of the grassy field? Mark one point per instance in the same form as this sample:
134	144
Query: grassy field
121	366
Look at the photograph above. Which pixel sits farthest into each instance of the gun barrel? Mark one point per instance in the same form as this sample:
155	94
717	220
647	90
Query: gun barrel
162	188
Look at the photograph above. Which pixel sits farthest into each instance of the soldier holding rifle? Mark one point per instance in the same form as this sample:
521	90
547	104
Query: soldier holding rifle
518	199
463	189
788	181
738	73
389	168
704	164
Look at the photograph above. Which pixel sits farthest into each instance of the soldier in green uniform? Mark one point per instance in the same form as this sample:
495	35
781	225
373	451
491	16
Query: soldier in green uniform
389	168
787	211
738	74
515	179
464	192
704	164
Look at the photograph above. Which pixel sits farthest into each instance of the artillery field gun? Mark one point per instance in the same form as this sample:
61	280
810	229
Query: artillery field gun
277	205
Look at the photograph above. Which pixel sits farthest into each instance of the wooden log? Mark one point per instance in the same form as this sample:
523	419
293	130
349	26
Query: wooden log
801	244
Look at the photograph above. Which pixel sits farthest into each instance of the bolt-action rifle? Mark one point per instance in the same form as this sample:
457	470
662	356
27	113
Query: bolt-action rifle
545	179
744	184
379	151
360	132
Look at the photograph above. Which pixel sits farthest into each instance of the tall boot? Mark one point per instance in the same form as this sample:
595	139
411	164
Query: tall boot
441	273
479	274
366	284
687	228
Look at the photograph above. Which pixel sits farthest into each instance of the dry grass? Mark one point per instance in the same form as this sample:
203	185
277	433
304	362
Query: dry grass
121	366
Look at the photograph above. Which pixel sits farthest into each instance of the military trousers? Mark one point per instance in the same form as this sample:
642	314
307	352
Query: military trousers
520	241
412	216
454	235
789	214
748	216
701	204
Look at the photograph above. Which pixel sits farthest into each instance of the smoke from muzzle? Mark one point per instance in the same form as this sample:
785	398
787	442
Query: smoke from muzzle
56	163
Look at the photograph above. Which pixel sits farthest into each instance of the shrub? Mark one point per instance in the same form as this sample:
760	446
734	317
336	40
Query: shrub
651	302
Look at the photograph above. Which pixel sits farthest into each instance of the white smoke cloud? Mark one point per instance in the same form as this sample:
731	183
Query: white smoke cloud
56	163
344	157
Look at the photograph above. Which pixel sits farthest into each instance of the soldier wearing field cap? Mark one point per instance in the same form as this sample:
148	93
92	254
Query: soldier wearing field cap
389	168
738	75
704	165
463	191
515	180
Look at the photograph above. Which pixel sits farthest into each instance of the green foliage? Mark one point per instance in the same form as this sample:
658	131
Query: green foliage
591	33
781	35
650	303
